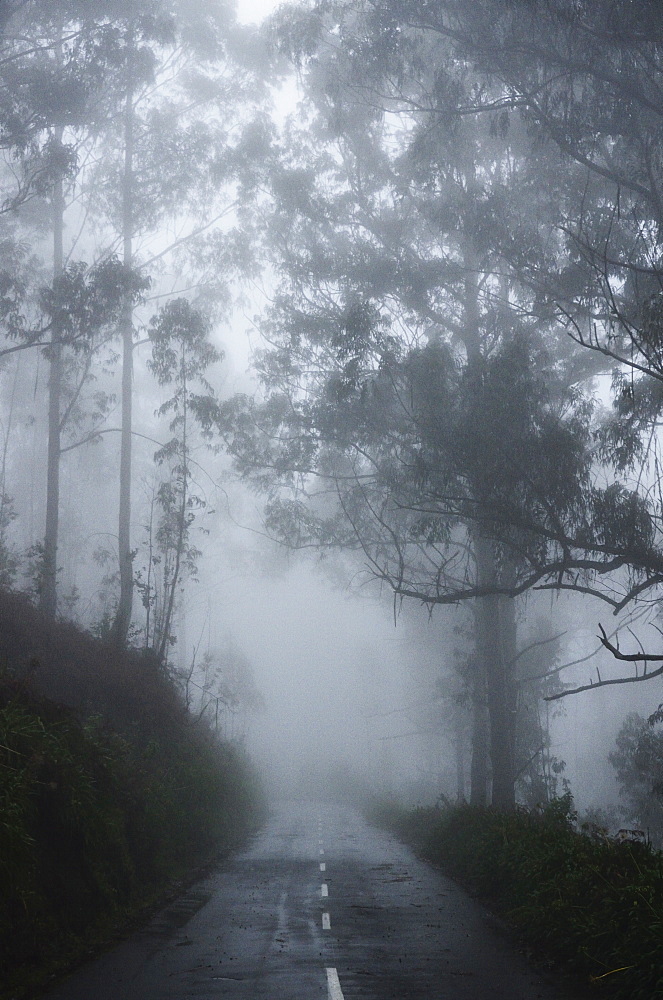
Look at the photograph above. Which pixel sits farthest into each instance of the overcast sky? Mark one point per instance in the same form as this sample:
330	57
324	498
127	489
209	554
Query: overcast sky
254	11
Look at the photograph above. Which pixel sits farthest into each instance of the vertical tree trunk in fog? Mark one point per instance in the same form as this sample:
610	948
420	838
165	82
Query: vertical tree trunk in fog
479	765
171	589
491	618
480	723
496	642
459	748
48	590
123	616
508	643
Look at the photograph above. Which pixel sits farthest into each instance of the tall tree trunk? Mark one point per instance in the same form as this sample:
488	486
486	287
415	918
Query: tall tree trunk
48	591
508	650
459	749
492	629
125	554
479	764
496	640
169	596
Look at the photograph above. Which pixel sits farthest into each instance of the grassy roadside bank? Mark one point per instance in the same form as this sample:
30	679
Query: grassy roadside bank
95	826
110	793
589	904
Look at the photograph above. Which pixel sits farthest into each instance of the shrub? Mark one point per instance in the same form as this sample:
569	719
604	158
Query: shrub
638	761
592	904
108	789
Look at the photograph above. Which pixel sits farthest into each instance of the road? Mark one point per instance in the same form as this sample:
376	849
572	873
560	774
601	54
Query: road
321	906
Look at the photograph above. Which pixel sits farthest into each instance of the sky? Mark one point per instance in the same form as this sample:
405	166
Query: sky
254	11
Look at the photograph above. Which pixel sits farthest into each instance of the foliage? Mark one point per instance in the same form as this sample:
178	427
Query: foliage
181	355
591	904
422	406
101	802
638	761
96	97
539	772
416	372
84	302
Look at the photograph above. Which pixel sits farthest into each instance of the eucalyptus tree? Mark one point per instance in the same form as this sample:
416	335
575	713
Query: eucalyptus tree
586	80
97	99
184	151
52	71
415	381
181	356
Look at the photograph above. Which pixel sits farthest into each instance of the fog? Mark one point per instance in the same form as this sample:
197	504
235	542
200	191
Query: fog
336	534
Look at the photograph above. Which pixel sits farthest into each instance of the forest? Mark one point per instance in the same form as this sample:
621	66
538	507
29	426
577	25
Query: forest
441	224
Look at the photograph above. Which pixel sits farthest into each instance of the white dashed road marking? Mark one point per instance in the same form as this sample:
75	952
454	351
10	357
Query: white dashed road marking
333	986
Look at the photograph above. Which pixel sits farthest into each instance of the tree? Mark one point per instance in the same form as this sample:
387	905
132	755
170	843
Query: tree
539	772
638	761
177	106
416	385
96	98
227	692
181	354
583	80
82	306
48	92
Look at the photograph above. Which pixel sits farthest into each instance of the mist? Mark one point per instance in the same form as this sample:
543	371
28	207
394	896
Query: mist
340	646
330	469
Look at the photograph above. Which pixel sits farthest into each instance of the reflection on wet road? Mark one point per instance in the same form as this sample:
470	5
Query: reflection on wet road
320	906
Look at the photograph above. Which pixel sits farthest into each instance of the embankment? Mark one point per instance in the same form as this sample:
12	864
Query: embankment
109	791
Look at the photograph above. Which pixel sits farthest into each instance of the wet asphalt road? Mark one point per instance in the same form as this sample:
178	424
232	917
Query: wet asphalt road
263	927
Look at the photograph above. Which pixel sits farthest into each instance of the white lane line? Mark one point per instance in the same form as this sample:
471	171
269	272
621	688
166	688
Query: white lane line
334	990
324	891
321	852
326	922
323	866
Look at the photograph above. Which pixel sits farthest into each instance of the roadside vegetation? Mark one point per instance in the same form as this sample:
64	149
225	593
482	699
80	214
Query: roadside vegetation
110	792
580	899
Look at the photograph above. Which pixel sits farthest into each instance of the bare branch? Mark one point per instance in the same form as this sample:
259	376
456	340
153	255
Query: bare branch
629	657
617	653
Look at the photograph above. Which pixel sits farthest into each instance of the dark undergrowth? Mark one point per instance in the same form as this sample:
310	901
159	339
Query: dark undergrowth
585	903
109	792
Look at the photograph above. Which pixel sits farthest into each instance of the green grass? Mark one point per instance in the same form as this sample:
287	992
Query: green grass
592	905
